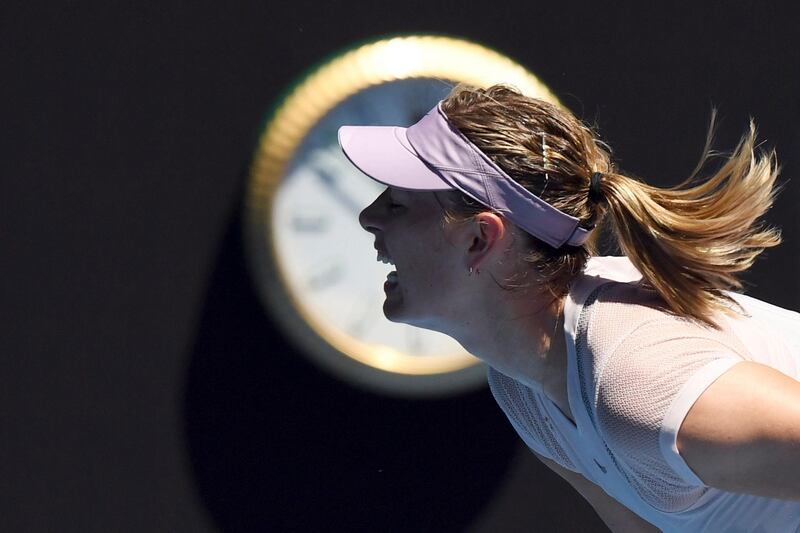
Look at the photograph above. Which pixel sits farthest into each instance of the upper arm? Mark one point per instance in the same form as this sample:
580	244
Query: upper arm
615	515
743	432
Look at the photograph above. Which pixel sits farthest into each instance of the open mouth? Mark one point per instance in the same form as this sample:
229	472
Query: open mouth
391	278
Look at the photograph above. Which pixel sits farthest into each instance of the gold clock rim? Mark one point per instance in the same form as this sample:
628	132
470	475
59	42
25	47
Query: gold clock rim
325	87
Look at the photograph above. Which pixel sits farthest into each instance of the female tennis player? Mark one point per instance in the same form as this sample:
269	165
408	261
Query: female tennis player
671	400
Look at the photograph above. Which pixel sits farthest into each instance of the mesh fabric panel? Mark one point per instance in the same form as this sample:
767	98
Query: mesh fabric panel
633	360
525	412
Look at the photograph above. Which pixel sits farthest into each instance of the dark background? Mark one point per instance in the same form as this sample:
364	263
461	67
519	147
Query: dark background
142	386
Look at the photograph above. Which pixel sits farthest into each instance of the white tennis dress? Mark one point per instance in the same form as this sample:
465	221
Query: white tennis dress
633	372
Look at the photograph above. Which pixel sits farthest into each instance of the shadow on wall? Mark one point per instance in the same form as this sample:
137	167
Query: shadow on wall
277	445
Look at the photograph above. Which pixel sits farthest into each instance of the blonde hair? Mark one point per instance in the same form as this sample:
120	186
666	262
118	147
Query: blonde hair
689	241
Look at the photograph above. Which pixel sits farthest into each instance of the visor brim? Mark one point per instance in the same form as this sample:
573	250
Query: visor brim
384	154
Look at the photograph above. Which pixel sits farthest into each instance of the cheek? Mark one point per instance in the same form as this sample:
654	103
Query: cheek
439	263
425	254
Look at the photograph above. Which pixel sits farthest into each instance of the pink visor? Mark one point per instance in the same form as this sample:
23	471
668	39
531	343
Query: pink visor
432	155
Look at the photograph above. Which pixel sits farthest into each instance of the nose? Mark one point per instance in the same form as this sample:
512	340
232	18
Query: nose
368	218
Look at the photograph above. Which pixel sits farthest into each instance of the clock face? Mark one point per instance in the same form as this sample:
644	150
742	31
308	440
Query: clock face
314	265
327	258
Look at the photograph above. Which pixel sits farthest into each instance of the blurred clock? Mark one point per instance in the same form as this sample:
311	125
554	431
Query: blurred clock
314	265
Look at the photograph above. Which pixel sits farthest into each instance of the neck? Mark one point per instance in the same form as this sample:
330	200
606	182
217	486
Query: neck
525	342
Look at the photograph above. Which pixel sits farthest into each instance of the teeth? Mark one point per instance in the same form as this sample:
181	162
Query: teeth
384	259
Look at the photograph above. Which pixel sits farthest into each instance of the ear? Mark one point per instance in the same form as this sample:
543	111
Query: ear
488	237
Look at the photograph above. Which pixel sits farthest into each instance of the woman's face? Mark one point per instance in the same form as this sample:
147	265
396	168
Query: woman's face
408	228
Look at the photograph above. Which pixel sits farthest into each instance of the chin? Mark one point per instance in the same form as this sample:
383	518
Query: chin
395	315
391	313
400	315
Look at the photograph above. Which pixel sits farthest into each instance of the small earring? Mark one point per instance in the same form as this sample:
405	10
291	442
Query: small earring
470	271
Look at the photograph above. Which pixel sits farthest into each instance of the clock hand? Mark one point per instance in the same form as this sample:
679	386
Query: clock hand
330	166
331	181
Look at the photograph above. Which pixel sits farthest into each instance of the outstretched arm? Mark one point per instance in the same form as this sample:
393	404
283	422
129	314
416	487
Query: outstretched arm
743	433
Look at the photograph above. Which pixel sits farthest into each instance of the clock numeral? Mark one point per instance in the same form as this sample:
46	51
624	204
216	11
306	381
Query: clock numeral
355	318
325	278
309	223
414	341
361	317
358	328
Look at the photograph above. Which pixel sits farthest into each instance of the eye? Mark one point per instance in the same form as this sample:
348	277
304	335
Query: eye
392	205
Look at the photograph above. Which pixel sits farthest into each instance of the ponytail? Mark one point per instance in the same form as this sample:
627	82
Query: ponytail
690	241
